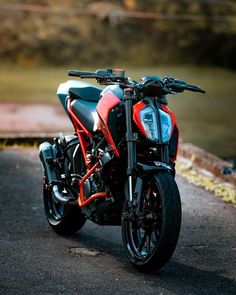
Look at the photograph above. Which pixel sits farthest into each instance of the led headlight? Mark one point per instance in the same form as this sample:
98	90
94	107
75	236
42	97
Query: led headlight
149	121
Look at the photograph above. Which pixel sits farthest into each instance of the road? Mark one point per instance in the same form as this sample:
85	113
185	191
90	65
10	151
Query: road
35	260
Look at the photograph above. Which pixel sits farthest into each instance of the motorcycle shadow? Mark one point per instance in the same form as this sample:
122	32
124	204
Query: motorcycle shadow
186	279
104	239
176	275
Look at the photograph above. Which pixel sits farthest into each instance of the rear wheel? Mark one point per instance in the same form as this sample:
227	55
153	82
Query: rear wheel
64	219
151	237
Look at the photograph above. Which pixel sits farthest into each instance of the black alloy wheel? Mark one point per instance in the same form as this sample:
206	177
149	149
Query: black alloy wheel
151	237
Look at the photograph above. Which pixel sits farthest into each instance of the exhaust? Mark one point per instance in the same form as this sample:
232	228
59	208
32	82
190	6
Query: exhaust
47	156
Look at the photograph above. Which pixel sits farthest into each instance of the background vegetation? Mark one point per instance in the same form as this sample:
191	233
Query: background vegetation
105	32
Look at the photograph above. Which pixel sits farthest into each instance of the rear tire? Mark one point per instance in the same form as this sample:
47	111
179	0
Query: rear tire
150	238
64	219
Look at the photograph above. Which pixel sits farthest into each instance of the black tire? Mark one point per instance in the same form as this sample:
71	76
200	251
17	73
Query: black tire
64	219
150	239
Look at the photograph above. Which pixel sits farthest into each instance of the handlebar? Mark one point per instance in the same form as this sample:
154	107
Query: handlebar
117	76
175	85
102	75
81	74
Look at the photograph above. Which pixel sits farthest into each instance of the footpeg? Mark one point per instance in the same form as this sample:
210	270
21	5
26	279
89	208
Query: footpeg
125	216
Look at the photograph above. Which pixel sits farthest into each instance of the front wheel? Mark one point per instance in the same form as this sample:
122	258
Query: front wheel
150	238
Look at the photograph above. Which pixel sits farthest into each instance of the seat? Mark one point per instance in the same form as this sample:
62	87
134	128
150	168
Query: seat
86	113
86	92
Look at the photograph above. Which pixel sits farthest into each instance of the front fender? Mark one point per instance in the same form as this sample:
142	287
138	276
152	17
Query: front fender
144	169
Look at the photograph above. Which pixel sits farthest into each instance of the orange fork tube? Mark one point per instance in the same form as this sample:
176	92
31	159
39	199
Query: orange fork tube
81	198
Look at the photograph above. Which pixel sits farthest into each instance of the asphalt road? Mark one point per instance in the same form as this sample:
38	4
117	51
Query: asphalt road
35	260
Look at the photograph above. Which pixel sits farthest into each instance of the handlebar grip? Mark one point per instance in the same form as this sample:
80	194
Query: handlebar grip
73	73
81	74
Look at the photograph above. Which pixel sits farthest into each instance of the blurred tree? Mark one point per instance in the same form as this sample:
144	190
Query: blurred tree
119	31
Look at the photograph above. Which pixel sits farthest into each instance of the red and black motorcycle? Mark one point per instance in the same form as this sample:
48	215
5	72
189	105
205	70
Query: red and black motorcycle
118	167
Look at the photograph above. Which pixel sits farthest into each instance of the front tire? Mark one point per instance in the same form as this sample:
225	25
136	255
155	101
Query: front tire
150	238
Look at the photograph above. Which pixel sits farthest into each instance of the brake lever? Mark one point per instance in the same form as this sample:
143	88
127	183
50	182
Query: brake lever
173	88
177	86
194	88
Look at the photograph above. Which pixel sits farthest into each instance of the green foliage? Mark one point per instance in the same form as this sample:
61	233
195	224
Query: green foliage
106	37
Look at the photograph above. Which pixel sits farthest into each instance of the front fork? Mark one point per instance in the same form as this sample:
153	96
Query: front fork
129	97
134	204
131	138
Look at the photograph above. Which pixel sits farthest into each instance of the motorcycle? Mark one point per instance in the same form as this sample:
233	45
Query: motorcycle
118	167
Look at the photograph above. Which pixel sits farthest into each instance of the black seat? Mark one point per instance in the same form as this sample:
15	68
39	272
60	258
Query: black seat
86	113
86	92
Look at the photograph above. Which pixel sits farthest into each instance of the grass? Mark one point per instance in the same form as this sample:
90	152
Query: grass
221	189
24	146
206	120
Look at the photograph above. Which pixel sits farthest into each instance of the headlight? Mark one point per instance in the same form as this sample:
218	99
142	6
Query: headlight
149	122
166	126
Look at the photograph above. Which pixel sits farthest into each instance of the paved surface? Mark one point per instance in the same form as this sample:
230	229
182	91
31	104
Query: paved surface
34	260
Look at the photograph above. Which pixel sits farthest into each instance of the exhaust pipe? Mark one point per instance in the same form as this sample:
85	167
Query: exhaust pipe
58	197
47	156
